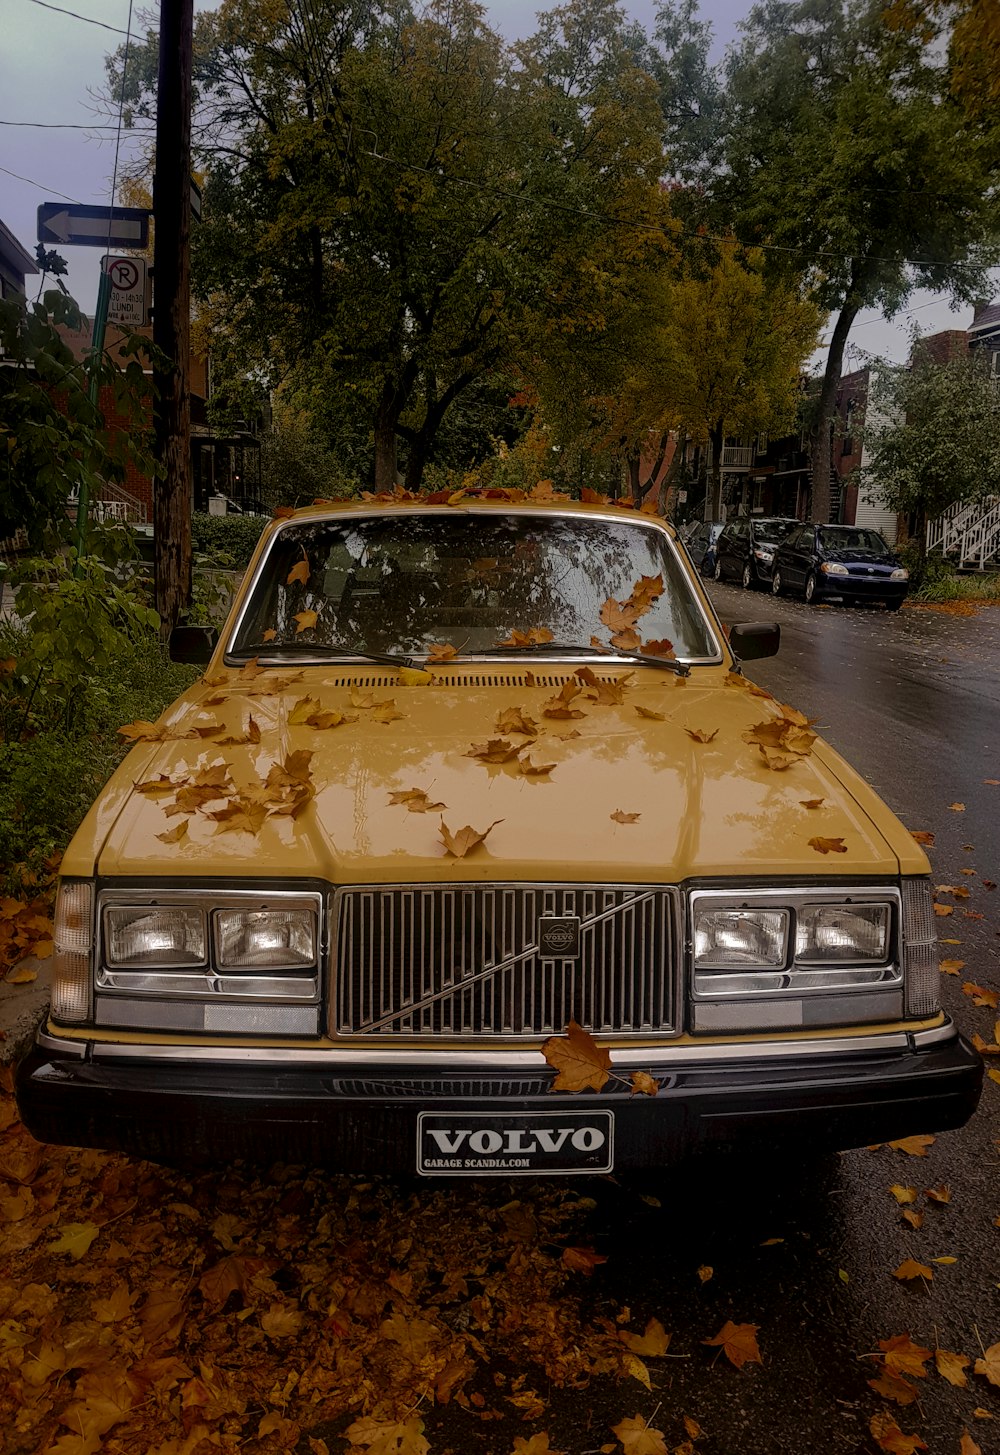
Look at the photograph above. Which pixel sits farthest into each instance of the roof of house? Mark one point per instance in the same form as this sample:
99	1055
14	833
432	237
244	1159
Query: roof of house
987	321
12	249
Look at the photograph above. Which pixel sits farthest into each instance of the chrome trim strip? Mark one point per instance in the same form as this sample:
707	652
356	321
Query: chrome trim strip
336	1058
935	1035
709	618
49	1042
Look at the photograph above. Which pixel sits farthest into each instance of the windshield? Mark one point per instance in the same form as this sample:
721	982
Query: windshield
773	531
849	538
404	584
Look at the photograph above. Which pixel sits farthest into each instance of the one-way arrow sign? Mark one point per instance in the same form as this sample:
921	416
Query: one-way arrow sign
93	227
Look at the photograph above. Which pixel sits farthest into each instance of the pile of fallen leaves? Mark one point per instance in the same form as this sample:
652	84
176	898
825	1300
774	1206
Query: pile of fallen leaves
146	1310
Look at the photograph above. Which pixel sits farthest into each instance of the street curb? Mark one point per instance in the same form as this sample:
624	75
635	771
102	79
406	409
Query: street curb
23	1008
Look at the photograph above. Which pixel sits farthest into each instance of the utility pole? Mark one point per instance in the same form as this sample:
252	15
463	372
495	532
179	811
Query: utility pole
172	311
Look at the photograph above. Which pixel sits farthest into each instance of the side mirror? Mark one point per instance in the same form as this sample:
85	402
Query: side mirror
750	639
193	644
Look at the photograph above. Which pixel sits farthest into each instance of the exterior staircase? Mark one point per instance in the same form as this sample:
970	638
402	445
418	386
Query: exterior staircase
968	533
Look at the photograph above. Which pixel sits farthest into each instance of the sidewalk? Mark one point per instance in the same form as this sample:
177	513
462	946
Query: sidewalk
22	1010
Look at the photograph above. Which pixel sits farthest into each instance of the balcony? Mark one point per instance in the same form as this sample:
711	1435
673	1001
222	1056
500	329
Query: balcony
737	457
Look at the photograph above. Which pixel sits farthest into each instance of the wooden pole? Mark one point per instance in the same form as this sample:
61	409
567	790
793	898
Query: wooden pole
172	312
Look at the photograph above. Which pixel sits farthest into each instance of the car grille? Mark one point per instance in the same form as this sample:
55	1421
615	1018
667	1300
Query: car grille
465	961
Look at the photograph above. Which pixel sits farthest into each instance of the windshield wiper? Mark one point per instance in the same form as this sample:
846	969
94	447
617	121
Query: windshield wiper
321	649
669	664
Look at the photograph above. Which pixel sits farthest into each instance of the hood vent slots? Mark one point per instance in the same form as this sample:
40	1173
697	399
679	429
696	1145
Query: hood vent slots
464	679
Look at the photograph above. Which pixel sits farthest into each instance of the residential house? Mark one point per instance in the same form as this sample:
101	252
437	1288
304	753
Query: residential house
15	264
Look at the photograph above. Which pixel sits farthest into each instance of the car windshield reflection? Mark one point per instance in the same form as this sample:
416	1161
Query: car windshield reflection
471	581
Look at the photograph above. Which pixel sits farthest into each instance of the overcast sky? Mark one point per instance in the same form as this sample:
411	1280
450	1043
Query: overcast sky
48	61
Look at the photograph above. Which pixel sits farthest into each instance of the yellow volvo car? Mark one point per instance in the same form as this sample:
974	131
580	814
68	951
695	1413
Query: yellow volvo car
464	778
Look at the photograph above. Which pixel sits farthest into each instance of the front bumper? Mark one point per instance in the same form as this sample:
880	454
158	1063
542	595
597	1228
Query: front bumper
362	1116
861	588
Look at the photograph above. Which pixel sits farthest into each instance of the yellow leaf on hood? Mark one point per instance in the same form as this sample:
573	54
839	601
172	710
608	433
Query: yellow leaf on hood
466	839
828	846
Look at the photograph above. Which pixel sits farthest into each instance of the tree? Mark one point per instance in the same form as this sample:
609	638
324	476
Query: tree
399	206
53	438
932	432
739	341
849	159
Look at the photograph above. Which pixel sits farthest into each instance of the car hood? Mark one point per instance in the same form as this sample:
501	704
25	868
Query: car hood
702	808
861	558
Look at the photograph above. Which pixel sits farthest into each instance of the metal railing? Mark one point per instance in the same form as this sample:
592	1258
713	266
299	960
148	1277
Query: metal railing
737	457
968	533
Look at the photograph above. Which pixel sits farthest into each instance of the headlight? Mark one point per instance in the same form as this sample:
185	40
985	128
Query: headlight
830	934
764	555
279	939
73	940
797	957
899	574
155	937
834	568
731	937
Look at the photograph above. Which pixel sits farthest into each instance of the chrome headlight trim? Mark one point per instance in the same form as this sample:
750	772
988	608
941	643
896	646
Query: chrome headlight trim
794	977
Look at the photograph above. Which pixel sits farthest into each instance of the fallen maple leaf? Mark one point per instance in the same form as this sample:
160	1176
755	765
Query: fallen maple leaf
538	1444
269	635
968	1446
415	800
620	816
581	1260
652	1344
306	620
639	1438
176	835
957	807
989	1365
910	1268
952	1367
281	1321
387	711
579	1060
828	846
387	1437
649	713
891	1438
941	1194
738	1342
699	735
643	1084
705	1272
534	770
951	967
943	910
441	652
812	802
903	1194
627	640
981	995
618	616
513	720
466	839
902	1356
915	1146
660	647
497	750
893	1386
561	705
299	572
535	636
74	1239
922	836
915	1219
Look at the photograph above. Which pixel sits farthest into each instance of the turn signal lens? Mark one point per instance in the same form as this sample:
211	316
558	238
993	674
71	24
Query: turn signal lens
834	568
73	941
920	949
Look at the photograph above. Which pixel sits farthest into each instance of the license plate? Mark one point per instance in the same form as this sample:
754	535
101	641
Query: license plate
514	1144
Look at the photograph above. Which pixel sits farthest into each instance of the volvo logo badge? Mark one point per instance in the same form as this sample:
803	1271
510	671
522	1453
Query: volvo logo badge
559	937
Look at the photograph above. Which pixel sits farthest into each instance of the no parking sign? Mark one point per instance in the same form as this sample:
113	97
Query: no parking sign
127	306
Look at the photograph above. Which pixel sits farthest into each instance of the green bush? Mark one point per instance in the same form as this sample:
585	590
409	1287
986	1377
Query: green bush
226	540
49	775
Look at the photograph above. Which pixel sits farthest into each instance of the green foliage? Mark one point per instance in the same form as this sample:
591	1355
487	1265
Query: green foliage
51	774
933	436
227	541
298	465
52	438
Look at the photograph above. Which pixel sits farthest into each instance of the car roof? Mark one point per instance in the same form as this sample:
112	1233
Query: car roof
562	505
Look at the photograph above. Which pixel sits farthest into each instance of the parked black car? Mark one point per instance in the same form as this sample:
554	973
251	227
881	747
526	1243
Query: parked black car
745	549
701	542
839	562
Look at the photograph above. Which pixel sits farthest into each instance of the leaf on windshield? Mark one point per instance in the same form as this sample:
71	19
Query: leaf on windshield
466	839
299	572
618	616
699	735
620	816
513	720
579	1060
659	648
627	640
269	635
441	652
653	716
497	750
600	646
828	846
387	711
415	800
561	705
306	620
645	592
535	636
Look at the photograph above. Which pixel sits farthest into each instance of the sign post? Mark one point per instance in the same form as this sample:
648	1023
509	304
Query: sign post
127	277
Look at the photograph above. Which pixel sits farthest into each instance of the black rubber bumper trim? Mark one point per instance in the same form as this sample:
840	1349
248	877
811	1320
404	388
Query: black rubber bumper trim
356	1119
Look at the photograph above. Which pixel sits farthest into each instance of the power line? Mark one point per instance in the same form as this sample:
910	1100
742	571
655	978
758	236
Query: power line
40	185
76	16
121	112
74	126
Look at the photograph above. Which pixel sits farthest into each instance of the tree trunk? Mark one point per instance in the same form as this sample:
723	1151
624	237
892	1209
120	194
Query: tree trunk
669	479
635	489
713	493
386	417
821	457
